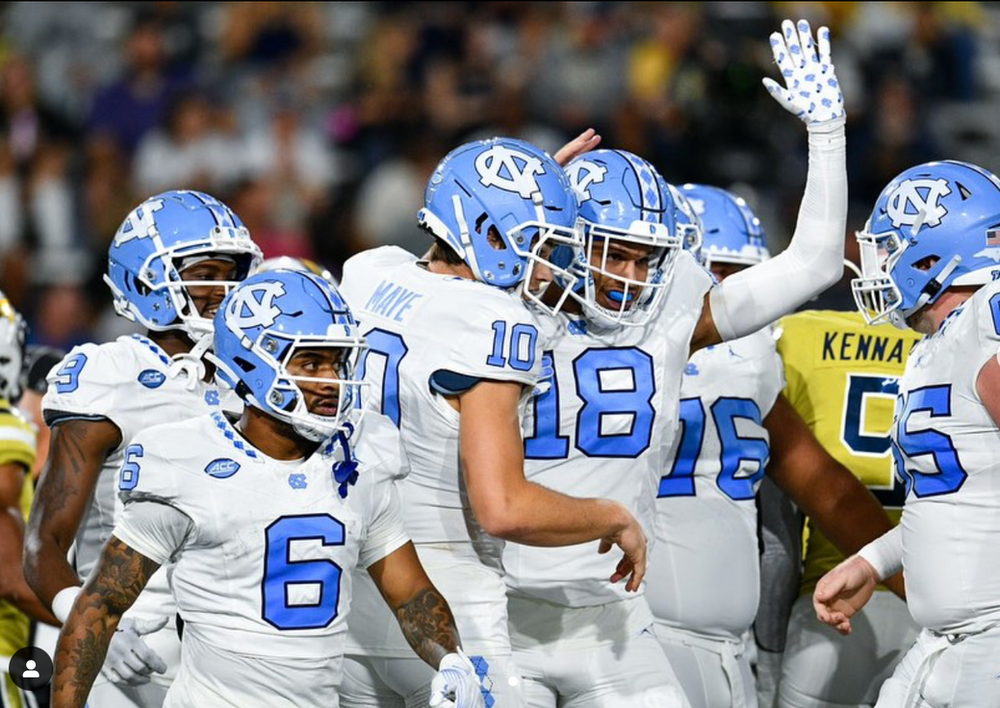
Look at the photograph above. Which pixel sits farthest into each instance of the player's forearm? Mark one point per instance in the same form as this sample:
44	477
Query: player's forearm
13	587
115	583
537	516
847	513
83	645
429	626
813	261
46	569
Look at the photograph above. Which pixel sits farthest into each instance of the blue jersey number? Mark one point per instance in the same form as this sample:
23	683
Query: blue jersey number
392	348
281	573
735	450
612	383
128	478
936	401
680	481
520	348
859	388
68	376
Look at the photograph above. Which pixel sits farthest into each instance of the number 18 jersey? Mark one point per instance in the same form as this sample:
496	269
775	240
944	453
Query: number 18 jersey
601	429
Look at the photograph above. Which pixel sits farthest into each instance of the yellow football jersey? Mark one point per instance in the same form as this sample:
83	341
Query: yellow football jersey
17	444
842	379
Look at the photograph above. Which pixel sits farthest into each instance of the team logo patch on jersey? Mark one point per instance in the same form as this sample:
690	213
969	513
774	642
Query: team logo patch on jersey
151	378
509	170
223	468
916	202
691	370
297	481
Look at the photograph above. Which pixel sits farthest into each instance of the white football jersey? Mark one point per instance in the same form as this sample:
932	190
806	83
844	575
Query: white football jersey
431	334
601	430
704	571
125	382
947	449
262	551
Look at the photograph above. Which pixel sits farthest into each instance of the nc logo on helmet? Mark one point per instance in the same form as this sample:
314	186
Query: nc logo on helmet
509	170
917	201
582	174
253	306
140	223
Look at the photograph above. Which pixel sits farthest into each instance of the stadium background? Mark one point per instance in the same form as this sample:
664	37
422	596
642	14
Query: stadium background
320	123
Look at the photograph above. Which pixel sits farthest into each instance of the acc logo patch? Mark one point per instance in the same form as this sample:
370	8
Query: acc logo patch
918	200
509	170
151	378
222	468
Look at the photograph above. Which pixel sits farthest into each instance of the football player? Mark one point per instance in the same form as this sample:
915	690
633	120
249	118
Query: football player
17	456
453	351
842	380
263	520
929	261
637	307
704	572
172	261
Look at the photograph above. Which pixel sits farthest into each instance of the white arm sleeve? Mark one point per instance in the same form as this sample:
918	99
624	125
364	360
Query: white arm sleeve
154	529
813	261
386	533
885	553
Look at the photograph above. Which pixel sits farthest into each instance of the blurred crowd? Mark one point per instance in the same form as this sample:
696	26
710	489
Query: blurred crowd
319	124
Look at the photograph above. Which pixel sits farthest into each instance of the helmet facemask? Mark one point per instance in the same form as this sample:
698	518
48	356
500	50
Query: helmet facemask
160	278
637	300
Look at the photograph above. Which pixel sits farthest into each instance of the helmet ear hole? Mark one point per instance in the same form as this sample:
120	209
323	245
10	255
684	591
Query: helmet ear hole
494	239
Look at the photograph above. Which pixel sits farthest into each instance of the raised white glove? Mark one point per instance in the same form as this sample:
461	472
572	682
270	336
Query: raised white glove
130	661
456	684
811	91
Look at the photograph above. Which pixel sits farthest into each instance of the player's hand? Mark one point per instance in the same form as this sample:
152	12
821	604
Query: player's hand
584	142
456	684
130	662
632	541
843	591
811	89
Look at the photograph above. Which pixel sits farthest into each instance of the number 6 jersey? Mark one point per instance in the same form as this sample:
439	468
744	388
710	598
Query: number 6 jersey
947	449
262	552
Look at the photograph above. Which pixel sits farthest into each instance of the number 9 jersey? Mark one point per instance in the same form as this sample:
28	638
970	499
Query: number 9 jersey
946	447
843	377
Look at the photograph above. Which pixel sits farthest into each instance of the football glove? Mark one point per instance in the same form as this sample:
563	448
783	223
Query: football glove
130	661
811	89
456	684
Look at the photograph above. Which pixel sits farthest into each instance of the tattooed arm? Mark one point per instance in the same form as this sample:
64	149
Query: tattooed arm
113	586
77	451
423	614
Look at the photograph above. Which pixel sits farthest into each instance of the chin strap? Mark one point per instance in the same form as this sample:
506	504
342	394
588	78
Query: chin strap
191	364
345	471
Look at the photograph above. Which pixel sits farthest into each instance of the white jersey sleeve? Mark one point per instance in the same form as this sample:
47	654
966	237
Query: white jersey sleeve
945	443
154	529
88	383
385	531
